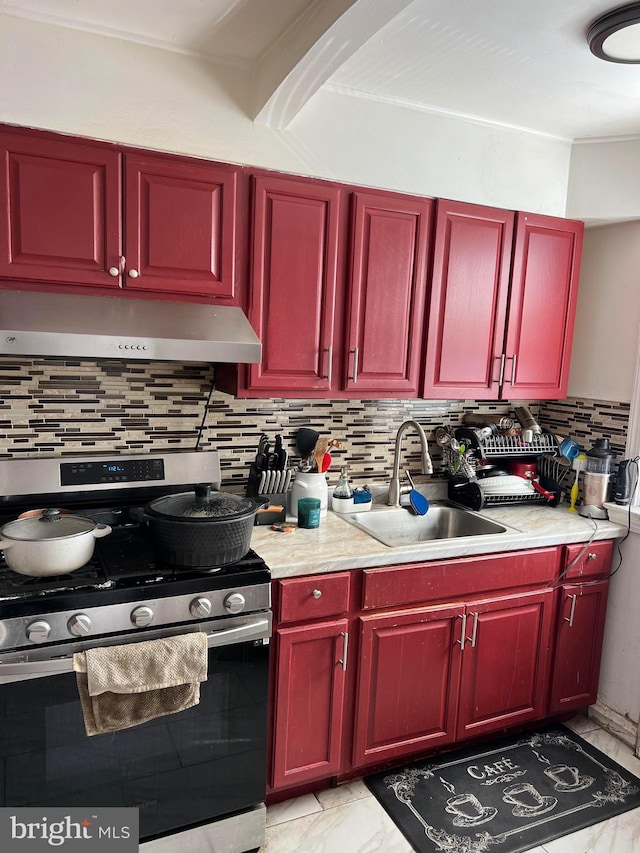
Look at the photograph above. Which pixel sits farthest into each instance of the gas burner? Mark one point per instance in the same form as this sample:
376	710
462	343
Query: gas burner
14	585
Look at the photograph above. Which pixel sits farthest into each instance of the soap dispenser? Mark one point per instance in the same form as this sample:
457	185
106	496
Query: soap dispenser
342	498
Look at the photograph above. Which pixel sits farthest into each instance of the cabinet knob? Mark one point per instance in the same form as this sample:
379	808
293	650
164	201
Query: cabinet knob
114	271
317	593
592	556
133	273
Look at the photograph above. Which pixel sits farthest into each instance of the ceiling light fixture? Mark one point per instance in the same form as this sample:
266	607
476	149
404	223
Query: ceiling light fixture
615	36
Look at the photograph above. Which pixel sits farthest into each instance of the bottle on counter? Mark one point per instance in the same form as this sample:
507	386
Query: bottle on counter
342	498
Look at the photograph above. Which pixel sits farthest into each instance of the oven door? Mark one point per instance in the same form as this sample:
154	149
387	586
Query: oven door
179	770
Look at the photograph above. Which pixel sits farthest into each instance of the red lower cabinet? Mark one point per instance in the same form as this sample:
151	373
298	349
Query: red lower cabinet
310	691
440	652
408	682
579	646
505	662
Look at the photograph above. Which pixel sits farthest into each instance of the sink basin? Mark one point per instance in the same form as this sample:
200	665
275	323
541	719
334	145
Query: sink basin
396	526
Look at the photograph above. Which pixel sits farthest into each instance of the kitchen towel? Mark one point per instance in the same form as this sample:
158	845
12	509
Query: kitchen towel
124	686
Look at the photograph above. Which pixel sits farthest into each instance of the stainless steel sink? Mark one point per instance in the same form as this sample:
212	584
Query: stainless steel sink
396	526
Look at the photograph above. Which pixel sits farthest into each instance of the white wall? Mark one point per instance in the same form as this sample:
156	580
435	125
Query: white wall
99	87
608	318
604	180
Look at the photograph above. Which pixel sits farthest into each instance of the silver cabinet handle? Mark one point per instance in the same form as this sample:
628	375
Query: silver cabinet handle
354	352
317	593
474	630
503	359
114	271
329	352
513	369
463	633
345	645
569	619
133	273
592	556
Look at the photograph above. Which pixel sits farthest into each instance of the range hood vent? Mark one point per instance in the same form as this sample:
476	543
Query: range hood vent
62	325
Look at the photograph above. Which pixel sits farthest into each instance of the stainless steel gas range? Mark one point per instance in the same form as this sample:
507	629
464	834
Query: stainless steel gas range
197	777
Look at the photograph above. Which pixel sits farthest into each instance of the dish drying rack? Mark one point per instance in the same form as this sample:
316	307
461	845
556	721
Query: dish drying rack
461	464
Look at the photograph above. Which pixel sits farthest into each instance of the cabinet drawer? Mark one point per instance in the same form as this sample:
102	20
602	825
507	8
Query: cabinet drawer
446	579
314	597
595	560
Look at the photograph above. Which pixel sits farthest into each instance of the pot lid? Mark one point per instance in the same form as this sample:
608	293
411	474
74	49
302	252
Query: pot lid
202	503
52	524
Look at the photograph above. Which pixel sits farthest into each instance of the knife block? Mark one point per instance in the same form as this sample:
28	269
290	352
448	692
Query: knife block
279	499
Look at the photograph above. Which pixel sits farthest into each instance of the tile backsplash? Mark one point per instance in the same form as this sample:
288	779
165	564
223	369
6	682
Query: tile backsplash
65	407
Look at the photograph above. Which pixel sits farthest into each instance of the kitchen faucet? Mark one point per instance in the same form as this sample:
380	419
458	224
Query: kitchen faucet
395	491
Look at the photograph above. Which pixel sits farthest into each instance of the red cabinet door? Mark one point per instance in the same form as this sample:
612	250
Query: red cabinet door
60	221
293	283
180	226
505	662
542	306
408	682
389	243
578	646
471	267
310	687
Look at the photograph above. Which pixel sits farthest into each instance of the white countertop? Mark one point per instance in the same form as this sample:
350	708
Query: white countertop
337	545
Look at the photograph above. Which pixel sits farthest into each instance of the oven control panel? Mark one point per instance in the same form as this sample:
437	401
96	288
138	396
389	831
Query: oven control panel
94	473
117	618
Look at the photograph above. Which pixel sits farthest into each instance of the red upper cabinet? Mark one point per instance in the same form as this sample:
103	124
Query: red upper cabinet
471	267
542	307
502	304
329	327
60	216
386	293
180	222
78	212
293	283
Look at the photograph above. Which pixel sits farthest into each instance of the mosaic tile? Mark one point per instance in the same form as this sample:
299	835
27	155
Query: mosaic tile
66	406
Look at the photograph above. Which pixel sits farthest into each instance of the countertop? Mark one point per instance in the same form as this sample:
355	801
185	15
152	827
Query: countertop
337	545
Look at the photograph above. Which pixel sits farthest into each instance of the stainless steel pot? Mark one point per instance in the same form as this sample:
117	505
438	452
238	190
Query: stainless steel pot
201	529
52	544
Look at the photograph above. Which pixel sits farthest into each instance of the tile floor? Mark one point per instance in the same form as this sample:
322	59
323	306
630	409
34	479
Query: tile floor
349	819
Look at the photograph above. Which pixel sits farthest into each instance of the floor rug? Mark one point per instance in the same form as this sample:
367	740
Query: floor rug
505	796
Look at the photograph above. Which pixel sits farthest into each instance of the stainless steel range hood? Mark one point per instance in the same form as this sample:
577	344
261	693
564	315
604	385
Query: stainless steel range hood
57	324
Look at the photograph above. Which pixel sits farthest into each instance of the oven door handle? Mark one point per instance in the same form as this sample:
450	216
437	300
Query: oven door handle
256	629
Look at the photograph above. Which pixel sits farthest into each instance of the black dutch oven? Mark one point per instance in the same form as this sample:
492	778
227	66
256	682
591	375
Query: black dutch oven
201	529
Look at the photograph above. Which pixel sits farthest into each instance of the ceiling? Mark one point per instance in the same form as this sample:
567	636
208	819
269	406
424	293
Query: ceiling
511	62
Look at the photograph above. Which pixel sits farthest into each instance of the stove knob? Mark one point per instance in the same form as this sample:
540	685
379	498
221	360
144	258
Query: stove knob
142	616
234	602
200	607
79	624
38	631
